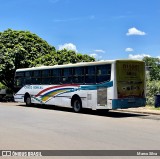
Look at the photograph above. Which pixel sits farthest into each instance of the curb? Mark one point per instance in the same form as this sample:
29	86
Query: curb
141	111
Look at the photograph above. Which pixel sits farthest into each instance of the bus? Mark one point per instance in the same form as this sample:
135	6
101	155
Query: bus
108	85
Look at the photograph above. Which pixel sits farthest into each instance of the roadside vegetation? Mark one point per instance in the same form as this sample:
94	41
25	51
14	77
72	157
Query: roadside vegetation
152	79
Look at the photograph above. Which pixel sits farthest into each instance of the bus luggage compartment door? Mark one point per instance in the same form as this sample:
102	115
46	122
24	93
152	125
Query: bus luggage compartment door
102	96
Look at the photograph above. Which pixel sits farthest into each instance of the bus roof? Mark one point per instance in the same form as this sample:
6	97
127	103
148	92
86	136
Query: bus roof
71	65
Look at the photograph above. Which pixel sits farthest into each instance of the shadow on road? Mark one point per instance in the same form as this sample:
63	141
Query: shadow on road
111	113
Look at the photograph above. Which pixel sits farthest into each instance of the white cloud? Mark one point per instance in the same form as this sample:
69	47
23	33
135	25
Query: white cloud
138	56
129	49
99	51
134	31
68	46
95	56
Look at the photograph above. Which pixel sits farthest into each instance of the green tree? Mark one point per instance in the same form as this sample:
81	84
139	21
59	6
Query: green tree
19	49
153	66
69	56
23	49
61	57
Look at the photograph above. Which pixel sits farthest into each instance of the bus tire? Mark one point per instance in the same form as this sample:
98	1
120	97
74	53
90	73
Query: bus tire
27	100
77	104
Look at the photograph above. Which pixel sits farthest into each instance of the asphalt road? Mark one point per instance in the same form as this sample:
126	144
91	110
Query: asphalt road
55	128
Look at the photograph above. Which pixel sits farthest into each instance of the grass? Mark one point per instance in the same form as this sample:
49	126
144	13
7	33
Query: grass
152	107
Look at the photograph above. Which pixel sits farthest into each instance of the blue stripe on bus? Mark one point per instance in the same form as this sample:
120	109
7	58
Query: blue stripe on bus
128	103
95	87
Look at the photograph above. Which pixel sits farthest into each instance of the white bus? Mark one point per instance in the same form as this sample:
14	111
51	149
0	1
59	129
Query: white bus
96	85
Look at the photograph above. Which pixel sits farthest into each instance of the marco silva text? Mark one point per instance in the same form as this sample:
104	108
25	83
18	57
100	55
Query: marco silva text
150	153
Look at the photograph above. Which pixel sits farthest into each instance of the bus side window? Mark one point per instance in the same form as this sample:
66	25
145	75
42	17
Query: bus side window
78	75
19	74
46	79
55	73
103	73
28	77
66	75
36	77
90	72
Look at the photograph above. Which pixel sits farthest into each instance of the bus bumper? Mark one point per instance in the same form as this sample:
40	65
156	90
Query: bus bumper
128	103
18	98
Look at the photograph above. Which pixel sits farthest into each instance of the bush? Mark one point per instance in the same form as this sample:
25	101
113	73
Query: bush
2	86
152	88
6	94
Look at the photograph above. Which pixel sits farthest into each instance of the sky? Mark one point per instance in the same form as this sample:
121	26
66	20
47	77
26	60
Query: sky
104	29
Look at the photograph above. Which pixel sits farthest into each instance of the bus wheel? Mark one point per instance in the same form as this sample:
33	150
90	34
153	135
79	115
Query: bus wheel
28	100
77	105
